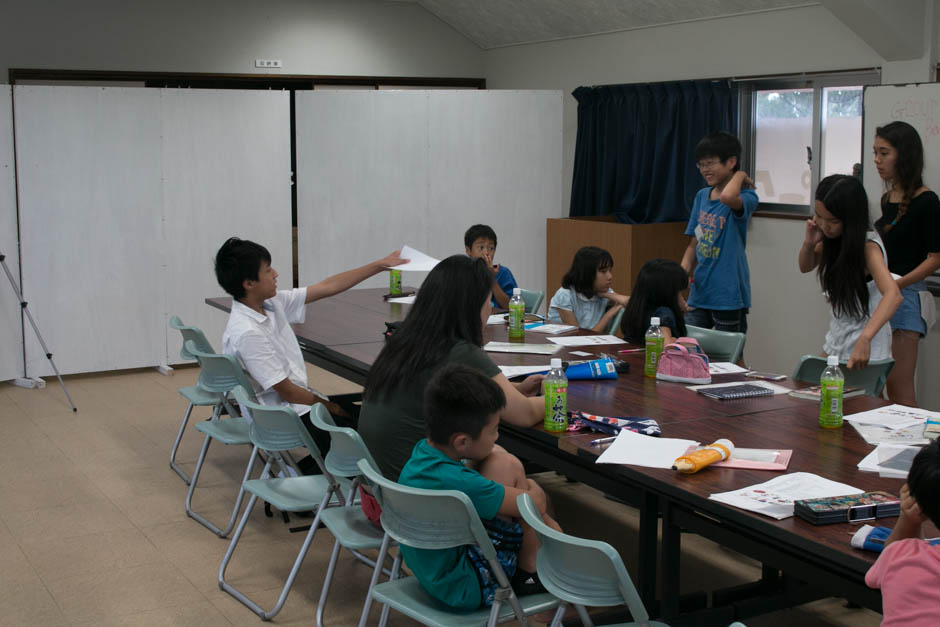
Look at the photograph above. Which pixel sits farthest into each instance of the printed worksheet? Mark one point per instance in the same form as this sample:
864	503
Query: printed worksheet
775	498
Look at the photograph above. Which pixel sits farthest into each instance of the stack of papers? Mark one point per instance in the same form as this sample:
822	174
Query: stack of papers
775	498
552	329
894	424
890	460
643	450
876	434
724	367
586	340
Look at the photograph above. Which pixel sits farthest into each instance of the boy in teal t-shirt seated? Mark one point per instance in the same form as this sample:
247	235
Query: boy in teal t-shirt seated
462	408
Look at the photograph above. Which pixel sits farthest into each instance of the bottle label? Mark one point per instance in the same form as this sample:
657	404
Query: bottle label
516	322
394	282
654	348
556	405
830	404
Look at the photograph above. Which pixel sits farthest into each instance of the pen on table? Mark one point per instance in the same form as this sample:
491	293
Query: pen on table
632	350
600	441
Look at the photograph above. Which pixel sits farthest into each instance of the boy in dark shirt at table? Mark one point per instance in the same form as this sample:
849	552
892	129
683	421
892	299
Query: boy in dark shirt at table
462	409
480	242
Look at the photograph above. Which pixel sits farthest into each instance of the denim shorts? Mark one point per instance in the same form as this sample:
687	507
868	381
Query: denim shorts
734	320
908	314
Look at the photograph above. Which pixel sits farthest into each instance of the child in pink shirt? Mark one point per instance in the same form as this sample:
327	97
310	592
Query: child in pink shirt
908	570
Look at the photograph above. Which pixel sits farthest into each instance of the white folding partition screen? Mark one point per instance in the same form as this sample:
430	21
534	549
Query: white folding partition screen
377	169
125	195
11	336
226	166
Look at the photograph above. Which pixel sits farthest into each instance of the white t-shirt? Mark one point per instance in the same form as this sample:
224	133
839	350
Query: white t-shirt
266	347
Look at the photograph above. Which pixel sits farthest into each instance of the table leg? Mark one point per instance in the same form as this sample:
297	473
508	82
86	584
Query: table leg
646	552
671	556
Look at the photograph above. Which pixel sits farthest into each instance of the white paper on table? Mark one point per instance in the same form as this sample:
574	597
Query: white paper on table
552	328
872	461
586	340
509	347
893	416
876	434
724	367
518	371
417	260
644	450
496	319
403	300
778	389
775	498
582	354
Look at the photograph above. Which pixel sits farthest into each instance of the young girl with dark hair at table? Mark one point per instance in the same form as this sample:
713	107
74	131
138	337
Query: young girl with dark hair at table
585	298
910	227
657	293
908	570
852	270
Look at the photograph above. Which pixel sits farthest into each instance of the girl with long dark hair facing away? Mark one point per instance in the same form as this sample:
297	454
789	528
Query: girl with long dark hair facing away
910	228
444	326
657	293
852	270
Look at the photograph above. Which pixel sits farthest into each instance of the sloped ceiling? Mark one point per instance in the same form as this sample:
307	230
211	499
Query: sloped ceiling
498	23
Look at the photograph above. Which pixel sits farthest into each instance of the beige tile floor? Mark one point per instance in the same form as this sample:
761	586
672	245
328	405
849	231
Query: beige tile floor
93	530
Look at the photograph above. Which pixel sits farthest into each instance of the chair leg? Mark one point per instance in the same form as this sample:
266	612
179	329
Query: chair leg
396	567
379	562
179	437
585	617
559	614
321	604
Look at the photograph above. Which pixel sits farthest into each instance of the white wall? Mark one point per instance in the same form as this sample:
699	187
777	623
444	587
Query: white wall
338	37
11	339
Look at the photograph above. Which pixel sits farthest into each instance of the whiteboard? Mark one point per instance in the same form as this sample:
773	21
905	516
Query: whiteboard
919	106
226	172
91	229
11	335
378	169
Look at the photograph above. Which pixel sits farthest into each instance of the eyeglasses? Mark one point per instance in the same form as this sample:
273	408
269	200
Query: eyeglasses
708	165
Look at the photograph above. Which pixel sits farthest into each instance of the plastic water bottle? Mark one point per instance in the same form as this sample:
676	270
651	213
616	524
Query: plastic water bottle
831	384
655	343
394	282
555	388
516	316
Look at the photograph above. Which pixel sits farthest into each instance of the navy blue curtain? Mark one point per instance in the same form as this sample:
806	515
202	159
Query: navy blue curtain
634	152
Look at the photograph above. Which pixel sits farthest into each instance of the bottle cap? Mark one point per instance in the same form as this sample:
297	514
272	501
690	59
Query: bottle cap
654	321
517	291
556	362
832	360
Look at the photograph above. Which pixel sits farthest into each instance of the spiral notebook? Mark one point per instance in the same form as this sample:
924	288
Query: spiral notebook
734	392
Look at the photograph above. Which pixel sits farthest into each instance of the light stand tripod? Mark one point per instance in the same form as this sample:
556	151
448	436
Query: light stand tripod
29	316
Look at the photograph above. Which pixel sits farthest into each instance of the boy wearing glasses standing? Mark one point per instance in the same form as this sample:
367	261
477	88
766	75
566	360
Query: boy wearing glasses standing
720	285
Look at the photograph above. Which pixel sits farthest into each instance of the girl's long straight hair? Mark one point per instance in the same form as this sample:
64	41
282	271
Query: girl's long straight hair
446	310
842	268
583	271
908	167
657	285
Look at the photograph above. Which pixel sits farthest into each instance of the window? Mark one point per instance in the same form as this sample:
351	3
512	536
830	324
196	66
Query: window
797	132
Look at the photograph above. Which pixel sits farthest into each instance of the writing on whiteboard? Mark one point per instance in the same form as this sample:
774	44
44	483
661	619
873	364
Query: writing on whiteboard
921	114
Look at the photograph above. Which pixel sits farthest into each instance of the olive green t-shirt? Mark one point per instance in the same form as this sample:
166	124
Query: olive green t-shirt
393	425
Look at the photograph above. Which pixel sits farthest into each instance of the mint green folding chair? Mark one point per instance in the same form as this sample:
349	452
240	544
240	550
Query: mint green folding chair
276	429
582	573
614	325
438	519
220	375
872	377
533	300
197	395
349	525
718	345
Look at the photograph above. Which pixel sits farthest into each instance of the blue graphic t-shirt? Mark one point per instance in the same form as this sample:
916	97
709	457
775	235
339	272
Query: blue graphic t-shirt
722	278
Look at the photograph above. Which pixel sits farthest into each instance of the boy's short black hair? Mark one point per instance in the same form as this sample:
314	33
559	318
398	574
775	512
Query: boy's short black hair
719	144
239	260
459	399
923	480
477	231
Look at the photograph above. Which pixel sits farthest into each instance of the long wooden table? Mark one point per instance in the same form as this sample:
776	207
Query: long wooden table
801	562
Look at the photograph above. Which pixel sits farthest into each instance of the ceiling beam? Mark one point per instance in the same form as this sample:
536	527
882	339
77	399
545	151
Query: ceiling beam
895	30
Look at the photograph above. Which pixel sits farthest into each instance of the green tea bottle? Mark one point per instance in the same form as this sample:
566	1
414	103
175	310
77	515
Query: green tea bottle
555	388
831	384
655	343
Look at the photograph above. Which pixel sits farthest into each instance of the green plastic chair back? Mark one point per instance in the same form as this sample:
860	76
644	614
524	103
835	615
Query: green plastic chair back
220	373
615	323
429	519
346	446
718	345
273	427
872	378
579	571
533	300
190	334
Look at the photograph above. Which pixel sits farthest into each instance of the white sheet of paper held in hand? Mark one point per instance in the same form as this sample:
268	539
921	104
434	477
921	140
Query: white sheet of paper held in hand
417	260
644	450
